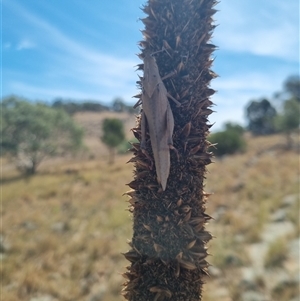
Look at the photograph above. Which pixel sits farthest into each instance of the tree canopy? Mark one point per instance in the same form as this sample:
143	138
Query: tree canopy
260	115
292	87
113	134
32	131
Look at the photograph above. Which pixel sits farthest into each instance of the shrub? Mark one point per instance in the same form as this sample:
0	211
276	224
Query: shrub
229	141
113	135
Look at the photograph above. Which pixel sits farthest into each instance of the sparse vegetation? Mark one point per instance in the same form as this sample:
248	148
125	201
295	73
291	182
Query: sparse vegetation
277	253
64	227
226	252
61	234
287	290
65	234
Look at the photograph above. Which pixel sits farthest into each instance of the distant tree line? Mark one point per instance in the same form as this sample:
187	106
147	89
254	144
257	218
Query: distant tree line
71	107
281	114
278	115
30	132
33	131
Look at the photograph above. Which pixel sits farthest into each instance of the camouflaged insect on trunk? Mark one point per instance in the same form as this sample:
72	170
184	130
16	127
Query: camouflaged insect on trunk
168	249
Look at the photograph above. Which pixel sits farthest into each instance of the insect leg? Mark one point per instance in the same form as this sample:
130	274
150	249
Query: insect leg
143	140
174	99
169	75
170	128
170	124
143	129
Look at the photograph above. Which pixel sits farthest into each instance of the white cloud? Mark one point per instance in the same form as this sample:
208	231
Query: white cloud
70	63
236	91
76	70
266	27
224	115
25	44
250	83
45	92
7	45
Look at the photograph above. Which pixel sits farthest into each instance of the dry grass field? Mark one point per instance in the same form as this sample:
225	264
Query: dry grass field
92	122
63	229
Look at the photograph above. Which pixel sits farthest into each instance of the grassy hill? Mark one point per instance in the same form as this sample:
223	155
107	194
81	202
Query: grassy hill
64	228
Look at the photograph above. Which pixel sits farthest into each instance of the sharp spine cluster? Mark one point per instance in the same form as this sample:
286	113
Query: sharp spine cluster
168	250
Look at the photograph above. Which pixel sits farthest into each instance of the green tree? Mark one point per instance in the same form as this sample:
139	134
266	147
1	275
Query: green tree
261	116
288	120
292	87
118	105
229	141
113	135
230	126
30	132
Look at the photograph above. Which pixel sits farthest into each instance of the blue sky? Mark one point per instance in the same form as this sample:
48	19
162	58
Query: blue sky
86	49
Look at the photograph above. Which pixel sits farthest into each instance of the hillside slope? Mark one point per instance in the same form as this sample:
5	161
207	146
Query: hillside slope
63	229
92	124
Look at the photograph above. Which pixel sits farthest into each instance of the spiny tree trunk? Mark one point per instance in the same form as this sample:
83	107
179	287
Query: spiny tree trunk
168	248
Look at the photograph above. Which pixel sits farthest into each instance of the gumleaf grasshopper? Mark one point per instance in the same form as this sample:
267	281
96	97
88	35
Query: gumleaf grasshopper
158	115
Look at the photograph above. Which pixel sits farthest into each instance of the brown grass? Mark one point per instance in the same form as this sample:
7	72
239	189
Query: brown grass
64	228
47	259
92	123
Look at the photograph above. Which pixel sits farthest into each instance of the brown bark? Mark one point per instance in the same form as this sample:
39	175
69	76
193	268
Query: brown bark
168	249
